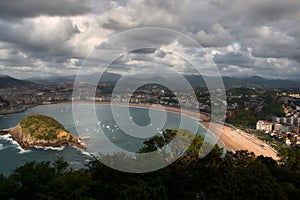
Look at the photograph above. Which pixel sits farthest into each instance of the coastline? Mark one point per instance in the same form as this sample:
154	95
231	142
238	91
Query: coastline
25	141
18	111
233	138
5	135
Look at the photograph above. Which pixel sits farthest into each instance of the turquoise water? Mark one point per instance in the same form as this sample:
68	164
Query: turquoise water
12	156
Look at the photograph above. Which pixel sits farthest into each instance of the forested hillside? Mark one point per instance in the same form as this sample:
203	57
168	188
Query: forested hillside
238	175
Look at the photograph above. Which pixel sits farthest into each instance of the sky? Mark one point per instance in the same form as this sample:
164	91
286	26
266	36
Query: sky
244	38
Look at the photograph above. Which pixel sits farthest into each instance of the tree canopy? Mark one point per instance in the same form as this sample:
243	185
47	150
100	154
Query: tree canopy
238	175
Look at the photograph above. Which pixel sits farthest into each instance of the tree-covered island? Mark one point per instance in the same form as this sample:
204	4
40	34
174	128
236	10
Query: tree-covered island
40	130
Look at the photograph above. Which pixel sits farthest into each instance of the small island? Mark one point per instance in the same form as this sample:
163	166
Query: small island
40	130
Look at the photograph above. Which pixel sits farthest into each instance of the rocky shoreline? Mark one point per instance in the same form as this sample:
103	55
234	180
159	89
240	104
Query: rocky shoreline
26	141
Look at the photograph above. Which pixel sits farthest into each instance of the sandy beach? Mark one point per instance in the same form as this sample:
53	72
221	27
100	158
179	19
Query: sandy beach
234	139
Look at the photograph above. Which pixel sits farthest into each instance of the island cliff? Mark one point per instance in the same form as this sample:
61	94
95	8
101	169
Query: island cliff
40	130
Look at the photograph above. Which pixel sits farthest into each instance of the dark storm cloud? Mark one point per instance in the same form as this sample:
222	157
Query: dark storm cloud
144	51
275	10
244	37
38	41
114	24
277	52
16	59
273	41
231	58
32	8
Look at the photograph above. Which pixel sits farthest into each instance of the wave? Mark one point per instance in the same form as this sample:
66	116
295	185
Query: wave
76	163
86	153
50	148
22	151
8	138
82	151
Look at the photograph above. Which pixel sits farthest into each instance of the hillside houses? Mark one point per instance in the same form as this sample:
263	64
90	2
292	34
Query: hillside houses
286	129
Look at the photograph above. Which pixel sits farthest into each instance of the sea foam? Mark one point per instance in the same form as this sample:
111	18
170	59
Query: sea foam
82	151
50	148
8	138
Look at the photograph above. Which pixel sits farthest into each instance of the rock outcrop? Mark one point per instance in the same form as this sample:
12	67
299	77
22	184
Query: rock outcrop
40	136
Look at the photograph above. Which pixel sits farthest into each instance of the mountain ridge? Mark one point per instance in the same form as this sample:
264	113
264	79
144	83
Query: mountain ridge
195	80
7	81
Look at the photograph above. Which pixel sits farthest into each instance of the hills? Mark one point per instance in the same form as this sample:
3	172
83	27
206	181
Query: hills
247	82
105	78
43	127
8	82
194	80
229	82
273	83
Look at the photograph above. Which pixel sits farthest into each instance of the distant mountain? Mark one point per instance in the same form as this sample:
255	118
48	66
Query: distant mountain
105	78
199	81
272	83
140	80
194	80
249	82
9	82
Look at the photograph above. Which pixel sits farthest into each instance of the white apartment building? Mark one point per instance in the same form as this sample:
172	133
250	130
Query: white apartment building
264	126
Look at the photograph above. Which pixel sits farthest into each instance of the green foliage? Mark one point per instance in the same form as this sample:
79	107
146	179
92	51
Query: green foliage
157	142
238	175
244	117
269	105
184	139
6	187
41	127
242	91
6	103
274	109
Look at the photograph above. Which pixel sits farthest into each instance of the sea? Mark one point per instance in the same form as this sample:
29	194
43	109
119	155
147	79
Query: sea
13	156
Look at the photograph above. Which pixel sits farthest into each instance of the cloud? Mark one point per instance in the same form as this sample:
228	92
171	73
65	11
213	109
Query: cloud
38	34
231	58
255	37
270	42
216	36
40	40
34	8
